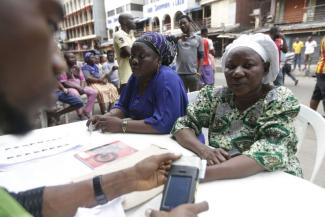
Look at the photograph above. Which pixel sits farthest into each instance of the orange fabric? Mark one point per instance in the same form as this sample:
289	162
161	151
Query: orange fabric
206	52
321	63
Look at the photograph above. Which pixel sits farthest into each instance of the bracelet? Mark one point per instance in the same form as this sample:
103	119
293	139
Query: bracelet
98	190
124	125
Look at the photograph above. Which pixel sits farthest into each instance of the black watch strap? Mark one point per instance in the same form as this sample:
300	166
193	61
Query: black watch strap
99	193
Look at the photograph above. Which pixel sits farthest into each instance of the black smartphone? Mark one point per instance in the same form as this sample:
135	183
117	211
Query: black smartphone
180	187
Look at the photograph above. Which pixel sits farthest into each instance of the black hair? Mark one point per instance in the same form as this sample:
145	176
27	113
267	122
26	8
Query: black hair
274	30
110	51
204	30
189	19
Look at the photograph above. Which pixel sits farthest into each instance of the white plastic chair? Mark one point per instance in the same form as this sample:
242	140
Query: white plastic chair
192	96
305	116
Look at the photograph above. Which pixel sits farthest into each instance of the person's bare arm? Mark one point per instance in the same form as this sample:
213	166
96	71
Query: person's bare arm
94	80
187	138
60	86
108	123
139	126
212	52
69	84
237	167
64	200
116	113
220	167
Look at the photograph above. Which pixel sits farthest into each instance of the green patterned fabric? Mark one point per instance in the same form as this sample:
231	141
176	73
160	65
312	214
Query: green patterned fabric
263	132
9	207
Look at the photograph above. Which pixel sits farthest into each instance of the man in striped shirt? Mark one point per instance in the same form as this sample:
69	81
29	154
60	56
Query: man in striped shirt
319	90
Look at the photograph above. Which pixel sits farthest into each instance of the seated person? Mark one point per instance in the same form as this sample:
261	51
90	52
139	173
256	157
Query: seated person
154	96
106	92
76	83
63	95
111	69
21	98
249	115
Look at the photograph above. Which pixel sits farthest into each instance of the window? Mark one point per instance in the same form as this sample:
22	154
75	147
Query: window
136	7
110	13
127	7
120	10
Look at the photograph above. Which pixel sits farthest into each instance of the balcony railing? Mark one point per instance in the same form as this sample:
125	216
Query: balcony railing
315	13
305	15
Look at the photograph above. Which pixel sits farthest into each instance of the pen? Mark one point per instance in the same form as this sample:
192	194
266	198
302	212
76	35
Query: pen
91	127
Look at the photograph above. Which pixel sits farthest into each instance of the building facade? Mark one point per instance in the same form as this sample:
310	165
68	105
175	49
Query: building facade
114	8
84	24
162	15
301	18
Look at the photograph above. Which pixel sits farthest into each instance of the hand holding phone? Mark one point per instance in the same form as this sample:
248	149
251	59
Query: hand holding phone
180	187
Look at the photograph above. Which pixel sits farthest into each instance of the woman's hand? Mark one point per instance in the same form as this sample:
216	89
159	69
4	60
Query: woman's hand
152	172
81	91
214	156
65	90
93	120
185	210
106	123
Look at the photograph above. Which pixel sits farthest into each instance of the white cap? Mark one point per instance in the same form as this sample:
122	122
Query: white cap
261	44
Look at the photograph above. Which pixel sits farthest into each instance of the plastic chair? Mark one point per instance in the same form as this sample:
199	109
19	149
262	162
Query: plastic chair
192	96
308	116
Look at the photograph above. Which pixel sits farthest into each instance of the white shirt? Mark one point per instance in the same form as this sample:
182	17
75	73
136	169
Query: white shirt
310	47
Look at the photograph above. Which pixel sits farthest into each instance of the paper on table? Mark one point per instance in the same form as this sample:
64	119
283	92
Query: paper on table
135	198
15	150
112	208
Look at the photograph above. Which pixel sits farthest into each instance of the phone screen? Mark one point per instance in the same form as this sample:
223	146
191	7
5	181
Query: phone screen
178	191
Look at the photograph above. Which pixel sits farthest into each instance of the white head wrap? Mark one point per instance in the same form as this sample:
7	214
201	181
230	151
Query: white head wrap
261	44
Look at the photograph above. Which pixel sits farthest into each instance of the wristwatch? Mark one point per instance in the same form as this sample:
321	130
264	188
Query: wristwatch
98	190
124	125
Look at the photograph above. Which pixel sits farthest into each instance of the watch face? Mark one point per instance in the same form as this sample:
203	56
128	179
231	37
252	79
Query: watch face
105	157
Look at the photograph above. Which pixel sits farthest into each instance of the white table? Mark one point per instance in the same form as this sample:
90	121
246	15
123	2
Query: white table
265	194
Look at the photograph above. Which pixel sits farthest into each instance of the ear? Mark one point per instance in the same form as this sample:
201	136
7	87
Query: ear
266	68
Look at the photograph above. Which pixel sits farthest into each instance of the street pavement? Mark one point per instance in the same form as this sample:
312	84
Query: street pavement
303	92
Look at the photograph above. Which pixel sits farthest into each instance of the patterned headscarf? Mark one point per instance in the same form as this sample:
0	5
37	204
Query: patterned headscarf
93	70
159	43
88	55
261	44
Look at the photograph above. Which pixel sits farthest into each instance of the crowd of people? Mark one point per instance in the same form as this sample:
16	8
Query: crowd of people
141	93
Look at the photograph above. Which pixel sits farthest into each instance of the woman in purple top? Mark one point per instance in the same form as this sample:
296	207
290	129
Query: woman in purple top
154	96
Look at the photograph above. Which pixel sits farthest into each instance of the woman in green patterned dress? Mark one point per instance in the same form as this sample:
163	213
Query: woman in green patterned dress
249	116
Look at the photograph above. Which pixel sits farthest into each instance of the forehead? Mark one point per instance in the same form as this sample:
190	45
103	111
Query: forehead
141	47
70	55
184	20
243	53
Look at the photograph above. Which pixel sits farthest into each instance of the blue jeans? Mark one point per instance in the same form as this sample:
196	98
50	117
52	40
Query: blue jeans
297	60
71	100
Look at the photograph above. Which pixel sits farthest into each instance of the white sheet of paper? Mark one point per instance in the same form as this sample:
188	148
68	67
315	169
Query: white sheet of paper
112	208
17	150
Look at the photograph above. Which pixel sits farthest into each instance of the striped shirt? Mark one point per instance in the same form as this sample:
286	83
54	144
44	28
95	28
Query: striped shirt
321	63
